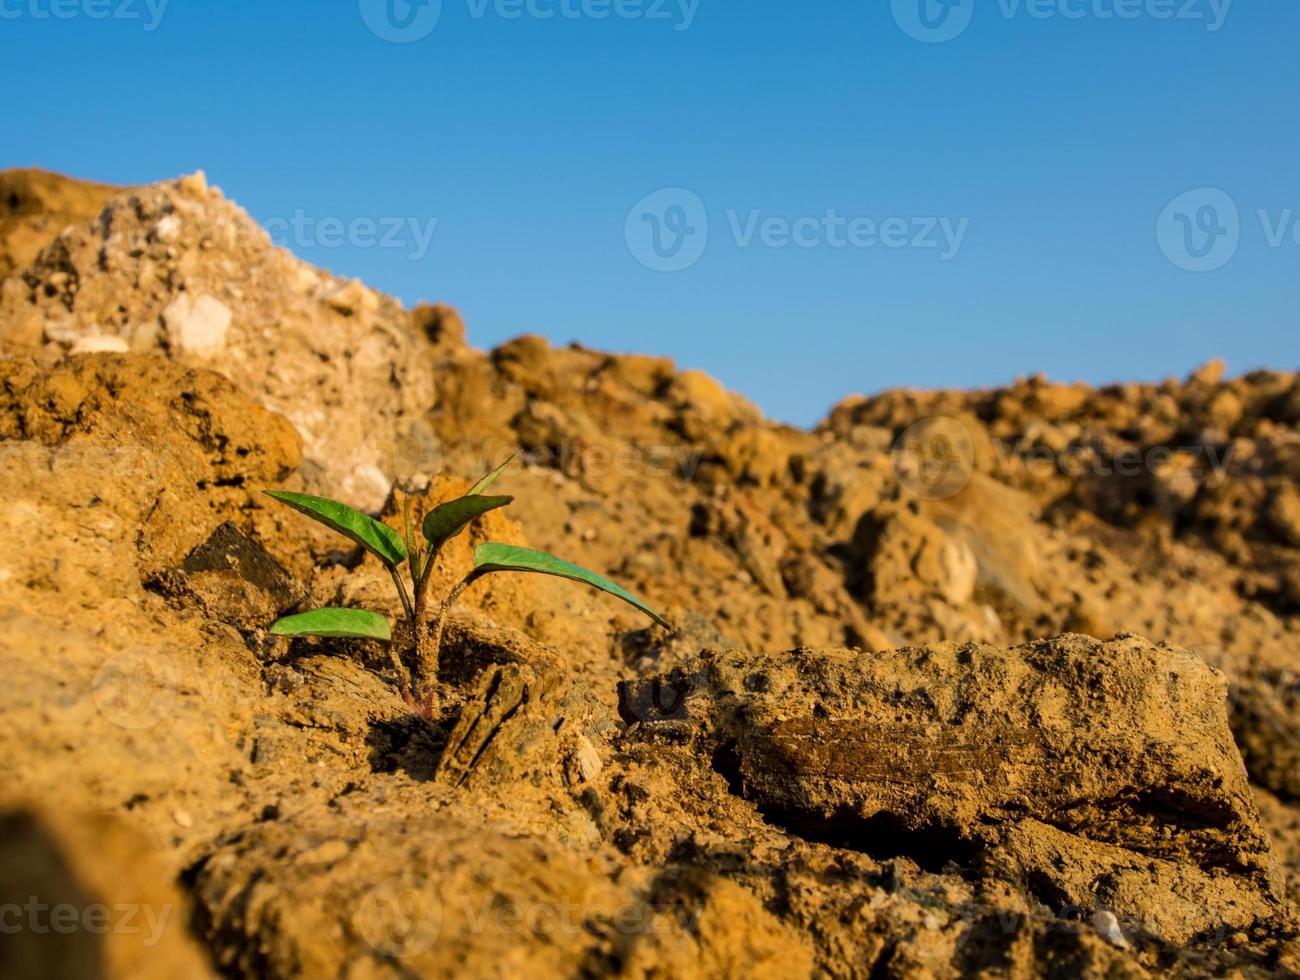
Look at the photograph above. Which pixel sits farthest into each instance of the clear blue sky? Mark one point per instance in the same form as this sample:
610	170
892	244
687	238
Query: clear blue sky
1055	130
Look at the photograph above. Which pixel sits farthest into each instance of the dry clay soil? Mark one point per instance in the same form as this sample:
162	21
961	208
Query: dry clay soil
995	683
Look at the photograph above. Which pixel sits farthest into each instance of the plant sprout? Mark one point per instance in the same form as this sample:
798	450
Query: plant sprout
394	550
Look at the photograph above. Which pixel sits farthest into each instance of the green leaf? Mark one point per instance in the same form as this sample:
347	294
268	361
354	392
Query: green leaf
358	623
447	520
382	540
491	478
493	557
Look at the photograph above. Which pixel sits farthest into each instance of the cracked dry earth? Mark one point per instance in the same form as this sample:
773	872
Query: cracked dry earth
1028	713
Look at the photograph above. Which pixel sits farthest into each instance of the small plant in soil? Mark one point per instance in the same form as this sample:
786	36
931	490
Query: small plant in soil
419	555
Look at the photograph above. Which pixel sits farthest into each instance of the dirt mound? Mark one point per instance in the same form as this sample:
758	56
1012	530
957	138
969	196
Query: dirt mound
865	750
176	268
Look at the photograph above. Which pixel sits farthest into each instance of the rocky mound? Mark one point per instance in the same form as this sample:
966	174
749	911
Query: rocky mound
177	269
867	748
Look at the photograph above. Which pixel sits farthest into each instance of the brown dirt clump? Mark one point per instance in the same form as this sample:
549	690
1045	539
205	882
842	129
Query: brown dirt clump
991	683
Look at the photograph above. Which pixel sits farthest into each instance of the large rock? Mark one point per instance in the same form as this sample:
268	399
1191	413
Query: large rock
404	886
1100	776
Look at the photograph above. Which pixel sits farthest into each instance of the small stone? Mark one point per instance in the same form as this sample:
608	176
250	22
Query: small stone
351	297
304	278
100	344
145	336
197	326
440	323
182	818
326	853
62	332
366	487
194	185
960	571
1107	927
1209	373
168	228
1225	409
1284	515
588	759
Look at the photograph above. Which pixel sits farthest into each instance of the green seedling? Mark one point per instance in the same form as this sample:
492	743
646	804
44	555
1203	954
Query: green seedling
419	557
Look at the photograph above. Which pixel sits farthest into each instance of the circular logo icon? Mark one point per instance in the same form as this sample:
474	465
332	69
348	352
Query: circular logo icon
667	231
1199	231
934	458
408	452
1277	696
400	917
1256	694
933	21
401	21
135	689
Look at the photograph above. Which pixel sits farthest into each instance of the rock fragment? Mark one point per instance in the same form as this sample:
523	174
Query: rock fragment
197	327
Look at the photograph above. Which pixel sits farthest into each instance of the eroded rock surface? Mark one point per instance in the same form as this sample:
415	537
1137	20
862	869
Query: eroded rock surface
1095	776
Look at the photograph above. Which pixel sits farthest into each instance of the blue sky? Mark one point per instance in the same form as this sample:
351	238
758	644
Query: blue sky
1097	189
